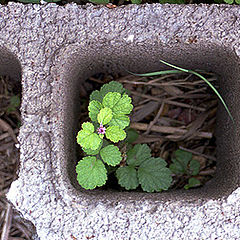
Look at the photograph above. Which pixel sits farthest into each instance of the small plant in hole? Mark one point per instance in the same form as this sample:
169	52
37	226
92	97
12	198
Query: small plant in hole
108	146
102	140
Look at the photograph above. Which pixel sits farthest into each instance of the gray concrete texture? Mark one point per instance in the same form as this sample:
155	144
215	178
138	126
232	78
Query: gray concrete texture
52	50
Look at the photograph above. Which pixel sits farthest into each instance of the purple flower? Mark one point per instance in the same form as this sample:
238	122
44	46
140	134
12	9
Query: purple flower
101	129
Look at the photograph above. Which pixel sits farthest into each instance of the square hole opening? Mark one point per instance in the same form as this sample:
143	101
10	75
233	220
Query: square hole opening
78	67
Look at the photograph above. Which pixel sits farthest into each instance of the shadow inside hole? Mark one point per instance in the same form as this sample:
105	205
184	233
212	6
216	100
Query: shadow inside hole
226	179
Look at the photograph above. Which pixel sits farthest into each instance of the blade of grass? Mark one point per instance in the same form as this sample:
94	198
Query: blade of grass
179	70
204	79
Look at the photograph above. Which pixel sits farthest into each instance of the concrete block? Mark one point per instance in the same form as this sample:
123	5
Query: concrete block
52	50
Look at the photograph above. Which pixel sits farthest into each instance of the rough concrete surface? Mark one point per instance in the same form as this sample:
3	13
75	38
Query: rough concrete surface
51	49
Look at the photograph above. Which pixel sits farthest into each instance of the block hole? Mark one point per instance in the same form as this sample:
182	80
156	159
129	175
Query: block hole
226	178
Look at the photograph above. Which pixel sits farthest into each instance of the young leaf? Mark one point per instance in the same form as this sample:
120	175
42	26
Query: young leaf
194	167
111	99
91	173
153	175
87	138
94	109
138	154
127	177
123	106
115	134
119	120
111	155
104	116
192	182
93	152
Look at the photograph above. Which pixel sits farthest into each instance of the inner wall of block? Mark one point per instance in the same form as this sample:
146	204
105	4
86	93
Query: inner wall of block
9	65
213	58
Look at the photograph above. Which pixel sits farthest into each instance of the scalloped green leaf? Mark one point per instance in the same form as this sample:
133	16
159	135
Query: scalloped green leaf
192	182
96	95
94	109
138	154
115	134
123	106
120	120
91	173
105	115
153	175
111	155
111	99
127	177
93	152
112	86
87	138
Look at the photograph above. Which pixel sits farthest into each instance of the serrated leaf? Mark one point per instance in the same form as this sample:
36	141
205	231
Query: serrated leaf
87	138
115	134
91	173
237	1
105	115
138	154
194	167
119	120
127	177
132	135
94	109
93	152
180	162
113	86
96	95
192	182
153	175
123	106
111	155
111	99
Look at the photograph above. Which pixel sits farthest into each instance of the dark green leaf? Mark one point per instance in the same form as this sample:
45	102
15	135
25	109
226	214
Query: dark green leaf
153	175
138	154
127	177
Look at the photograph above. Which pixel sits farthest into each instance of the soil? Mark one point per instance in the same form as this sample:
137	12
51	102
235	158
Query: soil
175	111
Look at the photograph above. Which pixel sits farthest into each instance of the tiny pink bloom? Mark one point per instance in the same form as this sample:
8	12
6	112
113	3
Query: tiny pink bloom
101	129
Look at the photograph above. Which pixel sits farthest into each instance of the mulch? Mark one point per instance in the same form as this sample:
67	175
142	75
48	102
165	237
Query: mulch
11	226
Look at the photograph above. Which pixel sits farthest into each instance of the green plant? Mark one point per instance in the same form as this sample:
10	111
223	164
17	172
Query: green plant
183	164
108	110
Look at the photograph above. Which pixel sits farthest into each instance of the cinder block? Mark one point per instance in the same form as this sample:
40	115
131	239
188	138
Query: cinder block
53	50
